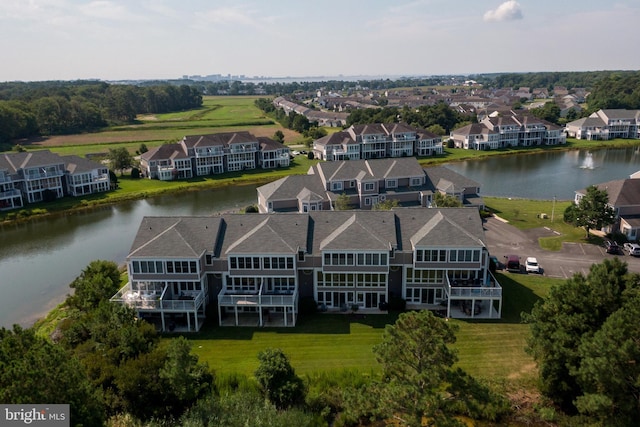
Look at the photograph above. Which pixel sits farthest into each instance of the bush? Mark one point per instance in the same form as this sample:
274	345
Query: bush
251	209
451	144
310	155
135	173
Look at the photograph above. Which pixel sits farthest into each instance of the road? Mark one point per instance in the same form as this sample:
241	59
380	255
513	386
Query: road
504	239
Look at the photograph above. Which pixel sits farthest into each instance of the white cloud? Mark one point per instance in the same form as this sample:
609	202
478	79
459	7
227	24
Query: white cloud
507	11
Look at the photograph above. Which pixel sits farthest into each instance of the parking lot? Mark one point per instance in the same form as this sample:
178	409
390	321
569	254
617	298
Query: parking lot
504	239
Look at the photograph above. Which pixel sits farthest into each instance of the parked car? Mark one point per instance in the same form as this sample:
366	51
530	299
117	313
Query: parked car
513	263
611	247
495	261
632	249
531	265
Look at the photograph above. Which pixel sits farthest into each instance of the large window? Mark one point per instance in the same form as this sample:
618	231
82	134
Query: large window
360	259
464	255
278	263
154	267
244	262
369	186
336	186
182	267
431	255
351	280
415	276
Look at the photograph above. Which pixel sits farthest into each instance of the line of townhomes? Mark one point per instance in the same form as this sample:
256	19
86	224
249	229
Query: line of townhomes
26	177
257	268
365	183
199	155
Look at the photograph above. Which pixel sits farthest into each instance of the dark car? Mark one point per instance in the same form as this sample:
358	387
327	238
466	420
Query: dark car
512	263
611	247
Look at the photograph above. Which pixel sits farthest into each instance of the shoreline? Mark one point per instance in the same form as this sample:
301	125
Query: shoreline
82	206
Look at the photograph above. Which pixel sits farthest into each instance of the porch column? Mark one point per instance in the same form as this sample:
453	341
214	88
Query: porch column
236	311
219	314
260	317
188	321
195	316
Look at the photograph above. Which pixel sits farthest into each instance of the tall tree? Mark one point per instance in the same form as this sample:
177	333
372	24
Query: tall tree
567	320
278	379
592	211
33	370
120	159
99	281
416	361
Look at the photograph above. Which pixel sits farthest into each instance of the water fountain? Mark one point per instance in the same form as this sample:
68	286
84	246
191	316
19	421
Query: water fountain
588	161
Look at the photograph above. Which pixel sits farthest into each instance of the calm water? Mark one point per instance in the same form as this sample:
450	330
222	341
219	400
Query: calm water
548	175
38	260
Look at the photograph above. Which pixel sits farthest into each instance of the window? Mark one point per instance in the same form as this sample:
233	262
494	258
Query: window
336	186
392	183
153	267
182	267
369	186
416	181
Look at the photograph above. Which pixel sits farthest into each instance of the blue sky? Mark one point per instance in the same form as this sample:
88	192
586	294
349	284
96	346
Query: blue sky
160	39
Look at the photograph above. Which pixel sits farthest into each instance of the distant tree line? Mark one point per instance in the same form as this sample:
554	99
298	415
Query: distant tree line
52	108
548	80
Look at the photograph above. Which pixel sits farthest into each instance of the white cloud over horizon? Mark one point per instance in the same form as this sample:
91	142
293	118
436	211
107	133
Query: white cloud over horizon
507	11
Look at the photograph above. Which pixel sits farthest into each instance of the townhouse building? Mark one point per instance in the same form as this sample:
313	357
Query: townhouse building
624	199
507	130
199	155
256	268
606	124
376	141
366	183
36	176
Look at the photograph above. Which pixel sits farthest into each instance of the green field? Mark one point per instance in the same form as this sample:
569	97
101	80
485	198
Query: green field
326	342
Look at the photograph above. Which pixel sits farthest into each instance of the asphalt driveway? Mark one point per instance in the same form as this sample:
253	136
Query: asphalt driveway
504	239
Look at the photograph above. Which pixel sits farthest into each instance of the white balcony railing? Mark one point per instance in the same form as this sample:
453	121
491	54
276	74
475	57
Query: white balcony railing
258	300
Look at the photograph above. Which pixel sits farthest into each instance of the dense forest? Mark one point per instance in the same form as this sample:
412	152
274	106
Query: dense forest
50	108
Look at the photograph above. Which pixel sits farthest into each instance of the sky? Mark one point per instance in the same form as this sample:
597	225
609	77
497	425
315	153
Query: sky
166	39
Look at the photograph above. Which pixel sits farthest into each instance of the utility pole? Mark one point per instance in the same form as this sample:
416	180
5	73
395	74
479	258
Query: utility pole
553	208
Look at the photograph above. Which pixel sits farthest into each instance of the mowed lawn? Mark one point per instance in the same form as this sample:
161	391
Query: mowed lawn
326	342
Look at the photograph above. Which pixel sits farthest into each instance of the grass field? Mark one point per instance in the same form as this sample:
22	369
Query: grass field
217	114
326	342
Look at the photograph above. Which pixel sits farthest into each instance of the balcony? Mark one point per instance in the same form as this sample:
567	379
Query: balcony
156	298
40	175
9	194
262	300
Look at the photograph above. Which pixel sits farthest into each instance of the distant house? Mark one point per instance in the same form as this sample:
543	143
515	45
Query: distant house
624	198
365	183
376	141
199	155
257	268
35	176
507	130
606	124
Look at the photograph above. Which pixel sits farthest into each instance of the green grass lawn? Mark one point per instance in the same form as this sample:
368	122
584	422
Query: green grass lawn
327	342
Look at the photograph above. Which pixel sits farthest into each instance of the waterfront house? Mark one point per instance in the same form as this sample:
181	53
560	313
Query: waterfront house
606	124
624	198
199	155
366	183
36	176
377	141
256	268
